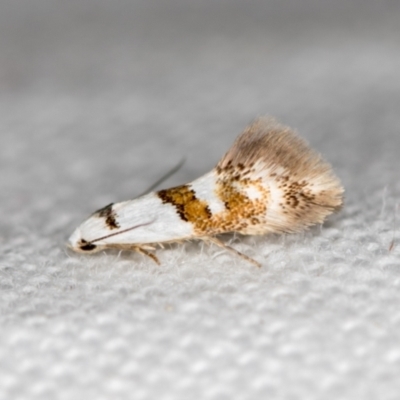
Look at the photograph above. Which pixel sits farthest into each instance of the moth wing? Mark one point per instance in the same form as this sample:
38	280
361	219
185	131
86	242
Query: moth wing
141	221
303	189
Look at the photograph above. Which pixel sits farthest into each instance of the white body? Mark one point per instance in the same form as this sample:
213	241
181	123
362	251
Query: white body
153	222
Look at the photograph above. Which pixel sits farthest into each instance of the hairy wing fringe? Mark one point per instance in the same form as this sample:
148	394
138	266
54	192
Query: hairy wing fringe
306	189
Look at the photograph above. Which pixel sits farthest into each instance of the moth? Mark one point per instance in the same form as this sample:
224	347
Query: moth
269	181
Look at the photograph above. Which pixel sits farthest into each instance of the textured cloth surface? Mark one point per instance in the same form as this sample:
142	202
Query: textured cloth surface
97	100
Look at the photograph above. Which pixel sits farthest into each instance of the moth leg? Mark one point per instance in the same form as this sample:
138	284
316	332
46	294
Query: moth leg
143	251
140	249
231	249
147	247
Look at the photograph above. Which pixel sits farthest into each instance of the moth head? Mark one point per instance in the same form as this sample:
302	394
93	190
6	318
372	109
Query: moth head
80	245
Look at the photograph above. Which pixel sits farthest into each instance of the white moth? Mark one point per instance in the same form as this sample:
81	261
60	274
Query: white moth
269	181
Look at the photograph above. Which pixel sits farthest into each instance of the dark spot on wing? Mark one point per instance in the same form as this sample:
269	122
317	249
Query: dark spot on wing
103	210
187	205
109	215
88	247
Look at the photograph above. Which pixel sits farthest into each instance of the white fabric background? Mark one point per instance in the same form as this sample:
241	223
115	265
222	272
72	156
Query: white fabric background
97	100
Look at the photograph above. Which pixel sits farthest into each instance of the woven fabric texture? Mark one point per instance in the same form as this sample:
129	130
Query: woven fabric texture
97	100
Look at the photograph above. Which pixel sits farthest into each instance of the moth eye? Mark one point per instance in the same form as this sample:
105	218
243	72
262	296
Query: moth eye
88	247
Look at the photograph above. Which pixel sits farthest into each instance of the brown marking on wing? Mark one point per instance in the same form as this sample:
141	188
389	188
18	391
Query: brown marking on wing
243	214
109	215
302	204
187	205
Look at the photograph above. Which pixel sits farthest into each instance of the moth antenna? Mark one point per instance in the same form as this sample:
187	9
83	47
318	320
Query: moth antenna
158	182
120	232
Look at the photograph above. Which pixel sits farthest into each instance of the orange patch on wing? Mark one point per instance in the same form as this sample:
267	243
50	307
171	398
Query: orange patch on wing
243	214
188	206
